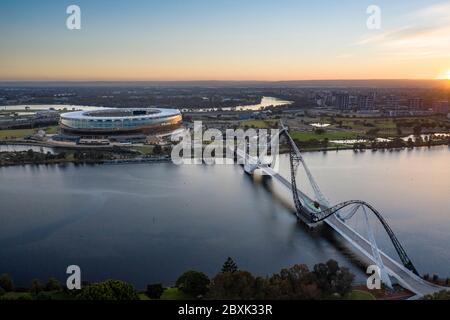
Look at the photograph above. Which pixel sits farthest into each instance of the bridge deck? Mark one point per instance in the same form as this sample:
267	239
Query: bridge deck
405	277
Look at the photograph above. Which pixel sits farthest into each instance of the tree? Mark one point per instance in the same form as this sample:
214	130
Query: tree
296	283
43	296
410	143
36	287
6	282
157	149
108	290
154	291
441	295
333	279
418	141
320	131
229	265
52	285
25	297
417	130
30	153
239	285
397	143
193	283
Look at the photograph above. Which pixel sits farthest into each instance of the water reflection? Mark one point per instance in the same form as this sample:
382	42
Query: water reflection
150	222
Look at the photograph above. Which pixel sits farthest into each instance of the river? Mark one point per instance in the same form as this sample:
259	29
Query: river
265	102
147	223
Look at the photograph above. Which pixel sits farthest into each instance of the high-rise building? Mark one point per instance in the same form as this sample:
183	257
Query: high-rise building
392	102
441	107
415	103
366	102
329	100
342	101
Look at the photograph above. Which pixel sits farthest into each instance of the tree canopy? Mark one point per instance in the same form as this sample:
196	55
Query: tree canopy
229	265
193	283
6	282
108	290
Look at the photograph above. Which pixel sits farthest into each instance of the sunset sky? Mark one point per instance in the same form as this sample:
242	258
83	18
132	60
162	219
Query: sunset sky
224	40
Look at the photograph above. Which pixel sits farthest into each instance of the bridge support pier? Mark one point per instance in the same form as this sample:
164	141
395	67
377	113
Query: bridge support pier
249	168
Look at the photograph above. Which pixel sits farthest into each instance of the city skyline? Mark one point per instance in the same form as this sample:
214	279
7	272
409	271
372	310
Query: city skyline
225	40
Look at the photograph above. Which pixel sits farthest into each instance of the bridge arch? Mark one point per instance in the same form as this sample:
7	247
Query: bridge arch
322	214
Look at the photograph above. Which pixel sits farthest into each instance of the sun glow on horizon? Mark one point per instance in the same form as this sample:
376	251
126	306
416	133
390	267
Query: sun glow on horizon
445	75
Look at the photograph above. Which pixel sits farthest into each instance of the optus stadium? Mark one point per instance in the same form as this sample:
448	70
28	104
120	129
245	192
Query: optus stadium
120	121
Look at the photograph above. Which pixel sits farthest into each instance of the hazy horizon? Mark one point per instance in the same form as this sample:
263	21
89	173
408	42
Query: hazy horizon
380	83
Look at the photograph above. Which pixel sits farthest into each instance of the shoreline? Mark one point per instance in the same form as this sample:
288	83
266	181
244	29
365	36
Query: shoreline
167	158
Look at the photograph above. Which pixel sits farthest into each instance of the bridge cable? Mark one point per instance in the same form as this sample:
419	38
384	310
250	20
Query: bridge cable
317	216
376	252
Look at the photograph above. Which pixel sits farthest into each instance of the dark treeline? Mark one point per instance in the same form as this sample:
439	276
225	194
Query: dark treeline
324	281
79	156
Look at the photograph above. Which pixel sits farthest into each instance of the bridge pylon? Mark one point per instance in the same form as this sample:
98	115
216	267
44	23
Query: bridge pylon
312	211
250	168
321	210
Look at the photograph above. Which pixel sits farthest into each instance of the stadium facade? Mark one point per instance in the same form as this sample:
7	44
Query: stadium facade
118	121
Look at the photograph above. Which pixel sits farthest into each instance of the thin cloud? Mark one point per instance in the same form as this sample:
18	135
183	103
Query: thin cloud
440	10
426	35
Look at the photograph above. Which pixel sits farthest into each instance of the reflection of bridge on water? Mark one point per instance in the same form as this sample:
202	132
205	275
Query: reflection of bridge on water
312	211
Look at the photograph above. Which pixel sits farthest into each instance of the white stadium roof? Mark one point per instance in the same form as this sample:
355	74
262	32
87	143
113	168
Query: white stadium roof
152	113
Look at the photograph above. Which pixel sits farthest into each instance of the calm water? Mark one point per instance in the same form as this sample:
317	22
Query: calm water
150	222
265	102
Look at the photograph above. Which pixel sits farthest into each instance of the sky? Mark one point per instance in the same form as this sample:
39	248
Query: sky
224	40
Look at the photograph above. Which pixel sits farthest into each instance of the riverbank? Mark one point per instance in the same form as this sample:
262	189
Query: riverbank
30	157
114	155
361	147
229	283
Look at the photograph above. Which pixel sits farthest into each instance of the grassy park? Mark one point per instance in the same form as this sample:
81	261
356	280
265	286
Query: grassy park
259	124
22	133
330	135
16	134
360	295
